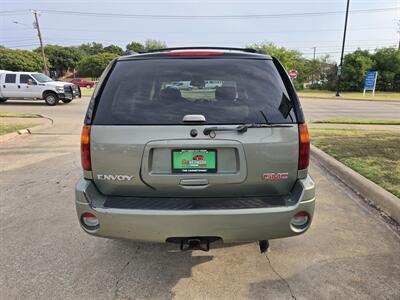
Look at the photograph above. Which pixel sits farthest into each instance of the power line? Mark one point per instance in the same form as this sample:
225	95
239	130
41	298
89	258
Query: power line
17	41
247	16
13	12
205	31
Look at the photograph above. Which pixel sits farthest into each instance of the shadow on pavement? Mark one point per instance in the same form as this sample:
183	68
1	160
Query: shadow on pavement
29	103
336	278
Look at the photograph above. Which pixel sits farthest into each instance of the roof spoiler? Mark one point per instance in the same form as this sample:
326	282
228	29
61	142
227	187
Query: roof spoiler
249	50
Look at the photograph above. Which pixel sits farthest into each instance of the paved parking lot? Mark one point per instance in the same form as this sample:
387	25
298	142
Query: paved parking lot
350	252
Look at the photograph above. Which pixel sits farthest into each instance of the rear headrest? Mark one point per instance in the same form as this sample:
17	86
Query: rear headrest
225	93
170	94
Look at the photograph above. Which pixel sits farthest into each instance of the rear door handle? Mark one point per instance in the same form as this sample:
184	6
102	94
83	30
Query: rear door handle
4	86
194	183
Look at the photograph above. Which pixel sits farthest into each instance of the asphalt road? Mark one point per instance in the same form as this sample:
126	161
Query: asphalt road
318	109
348	253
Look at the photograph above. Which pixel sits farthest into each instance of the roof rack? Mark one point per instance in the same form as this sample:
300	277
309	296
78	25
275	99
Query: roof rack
250	50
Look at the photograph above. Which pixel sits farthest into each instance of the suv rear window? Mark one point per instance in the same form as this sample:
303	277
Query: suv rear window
163	91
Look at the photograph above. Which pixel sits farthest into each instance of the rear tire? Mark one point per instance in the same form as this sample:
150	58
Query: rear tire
66	100
2	100
51	99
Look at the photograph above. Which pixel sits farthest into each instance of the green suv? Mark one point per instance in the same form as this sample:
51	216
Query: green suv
225	161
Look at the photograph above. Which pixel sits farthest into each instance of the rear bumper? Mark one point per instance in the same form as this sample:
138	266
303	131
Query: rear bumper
232	225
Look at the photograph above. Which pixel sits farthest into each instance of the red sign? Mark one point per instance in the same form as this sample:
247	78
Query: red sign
293	74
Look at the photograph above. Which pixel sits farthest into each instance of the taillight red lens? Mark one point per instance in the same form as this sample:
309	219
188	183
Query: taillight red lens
304	147
85	148
193	53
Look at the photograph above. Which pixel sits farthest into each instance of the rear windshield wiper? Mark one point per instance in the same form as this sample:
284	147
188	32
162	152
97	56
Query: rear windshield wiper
243	128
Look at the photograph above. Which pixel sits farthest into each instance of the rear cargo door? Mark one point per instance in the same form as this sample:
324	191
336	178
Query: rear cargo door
160	131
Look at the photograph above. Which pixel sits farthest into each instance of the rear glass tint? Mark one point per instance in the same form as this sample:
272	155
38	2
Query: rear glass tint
163	91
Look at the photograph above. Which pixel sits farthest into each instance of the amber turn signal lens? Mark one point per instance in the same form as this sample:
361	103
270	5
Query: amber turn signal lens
304	147
85	148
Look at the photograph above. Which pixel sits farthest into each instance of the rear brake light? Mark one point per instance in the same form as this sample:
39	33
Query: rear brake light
194	53
304	147
85	148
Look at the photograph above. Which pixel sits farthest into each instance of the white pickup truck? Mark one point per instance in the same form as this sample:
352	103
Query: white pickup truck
32	85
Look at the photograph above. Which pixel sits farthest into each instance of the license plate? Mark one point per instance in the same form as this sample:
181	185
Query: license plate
194	161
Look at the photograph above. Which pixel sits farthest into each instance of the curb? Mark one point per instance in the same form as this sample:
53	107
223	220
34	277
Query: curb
6	137
349	99
369	190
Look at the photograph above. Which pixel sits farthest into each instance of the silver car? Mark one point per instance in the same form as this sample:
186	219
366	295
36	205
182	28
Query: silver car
194	166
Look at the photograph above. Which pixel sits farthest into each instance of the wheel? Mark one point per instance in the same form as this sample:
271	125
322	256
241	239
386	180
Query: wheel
66	100
51	99
2	100
88	86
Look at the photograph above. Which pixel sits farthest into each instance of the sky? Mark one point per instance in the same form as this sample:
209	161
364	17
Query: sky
366	29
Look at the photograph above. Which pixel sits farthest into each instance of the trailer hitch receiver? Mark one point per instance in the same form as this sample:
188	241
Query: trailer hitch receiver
193	243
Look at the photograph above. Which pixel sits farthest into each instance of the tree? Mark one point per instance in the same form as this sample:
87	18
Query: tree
113	49
150	44
355	66
20	60
387	63
135	46
94	65
291	59
91	48
62	58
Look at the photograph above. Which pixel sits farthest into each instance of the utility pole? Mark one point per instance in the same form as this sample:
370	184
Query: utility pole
340	68
312	74
37	27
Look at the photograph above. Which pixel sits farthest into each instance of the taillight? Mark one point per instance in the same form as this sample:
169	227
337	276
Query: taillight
193	53
304	147
85	148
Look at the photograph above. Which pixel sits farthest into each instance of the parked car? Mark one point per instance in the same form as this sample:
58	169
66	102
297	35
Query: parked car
180	85
161	167
37	86
83	83
210	84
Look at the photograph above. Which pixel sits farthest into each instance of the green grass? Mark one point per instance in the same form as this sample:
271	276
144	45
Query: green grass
7	128
363	122
379	96
17	115
372	153
87	92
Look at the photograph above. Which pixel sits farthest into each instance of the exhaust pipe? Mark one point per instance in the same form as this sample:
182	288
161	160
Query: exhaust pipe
264	245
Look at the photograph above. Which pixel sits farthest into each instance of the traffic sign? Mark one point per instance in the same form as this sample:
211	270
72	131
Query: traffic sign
293	74
370	81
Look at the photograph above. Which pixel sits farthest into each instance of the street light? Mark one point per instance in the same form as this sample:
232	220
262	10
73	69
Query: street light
22	24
